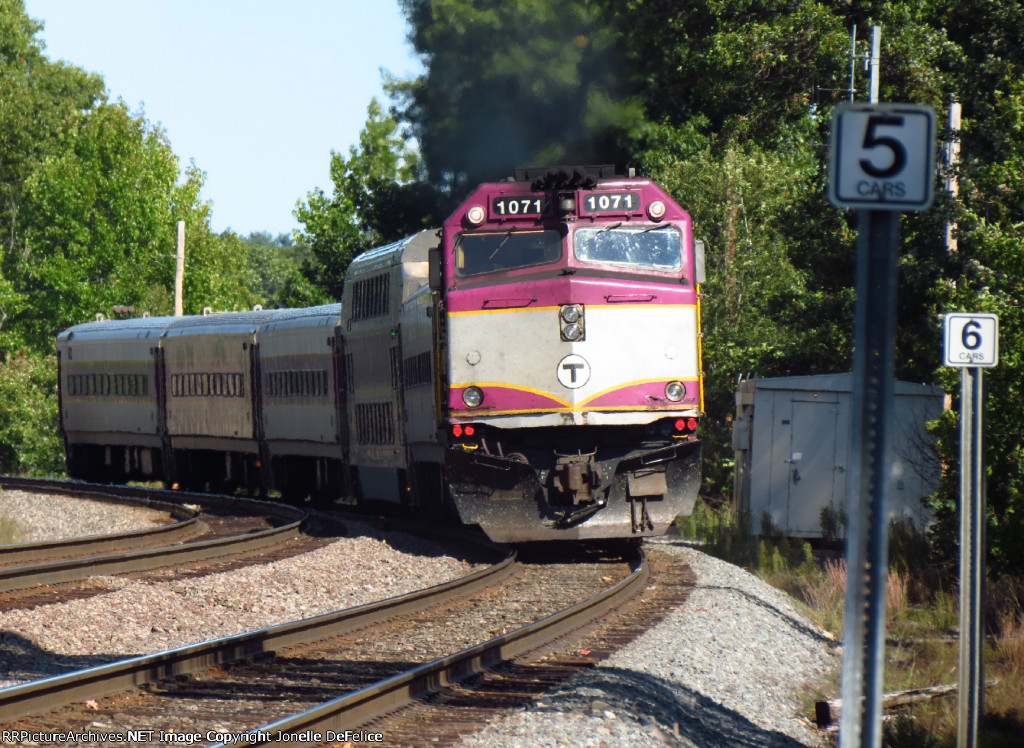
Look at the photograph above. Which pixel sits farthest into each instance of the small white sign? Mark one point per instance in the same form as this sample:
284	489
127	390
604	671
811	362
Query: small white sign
970	339
882	156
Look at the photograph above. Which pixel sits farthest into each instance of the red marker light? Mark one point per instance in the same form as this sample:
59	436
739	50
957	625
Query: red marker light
680	424
692	424
457	429
470	430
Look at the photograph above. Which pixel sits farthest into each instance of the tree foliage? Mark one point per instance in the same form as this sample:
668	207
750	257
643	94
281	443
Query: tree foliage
37	95
90	195
99	223
376	198
277	263
29	439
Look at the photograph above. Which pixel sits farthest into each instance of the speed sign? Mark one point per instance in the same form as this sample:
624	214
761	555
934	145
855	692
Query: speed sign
882	156
971	339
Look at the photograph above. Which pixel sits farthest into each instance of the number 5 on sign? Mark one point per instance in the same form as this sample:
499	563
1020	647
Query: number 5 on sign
970	339
882	157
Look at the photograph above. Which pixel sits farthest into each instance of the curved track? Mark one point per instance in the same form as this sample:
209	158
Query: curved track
143	550
50	693
355	709
360	705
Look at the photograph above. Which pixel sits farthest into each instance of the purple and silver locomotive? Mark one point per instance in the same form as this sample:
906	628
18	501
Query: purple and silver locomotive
571	357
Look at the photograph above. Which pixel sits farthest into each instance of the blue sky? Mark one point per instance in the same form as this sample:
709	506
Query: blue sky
258	92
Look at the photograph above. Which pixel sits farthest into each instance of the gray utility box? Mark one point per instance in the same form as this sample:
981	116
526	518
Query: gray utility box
792	441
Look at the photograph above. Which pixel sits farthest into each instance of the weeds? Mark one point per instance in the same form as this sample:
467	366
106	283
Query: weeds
825	595
921	618
1010	641
906	732
10	531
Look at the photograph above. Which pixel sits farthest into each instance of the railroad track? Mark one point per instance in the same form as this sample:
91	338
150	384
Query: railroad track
322	689
215	528
341	683
93	683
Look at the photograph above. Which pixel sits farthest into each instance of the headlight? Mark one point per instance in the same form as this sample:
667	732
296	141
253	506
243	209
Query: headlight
476	215
656	210
675	391
571	322
572	332
472	396
572	312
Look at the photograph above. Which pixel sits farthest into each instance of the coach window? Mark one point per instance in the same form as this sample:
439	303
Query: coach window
651	248
495	251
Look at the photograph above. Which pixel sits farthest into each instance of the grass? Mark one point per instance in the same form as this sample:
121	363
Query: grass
10	530
922	620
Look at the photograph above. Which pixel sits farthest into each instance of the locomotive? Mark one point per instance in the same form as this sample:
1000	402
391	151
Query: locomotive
533	367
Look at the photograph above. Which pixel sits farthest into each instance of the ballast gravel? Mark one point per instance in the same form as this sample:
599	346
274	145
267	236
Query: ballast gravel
32	517
141	617
726	669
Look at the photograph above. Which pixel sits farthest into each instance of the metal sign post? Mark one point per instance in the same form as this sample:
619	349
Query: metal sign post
971	341
882	162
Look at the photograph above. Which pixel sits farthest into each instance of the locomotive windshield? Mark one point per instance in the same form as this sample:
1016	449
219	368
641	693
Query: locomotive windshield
651	247
494	251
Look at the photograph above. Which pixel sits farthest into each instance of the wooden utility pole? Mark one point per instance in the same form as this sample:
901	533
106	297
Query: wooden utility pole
952	165
179	271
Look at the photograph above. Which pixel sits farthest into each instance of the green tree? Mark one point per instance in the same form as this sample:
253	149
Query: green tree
99	224
29	440
277	263
218	271
36	97
741	69
986	272
375	200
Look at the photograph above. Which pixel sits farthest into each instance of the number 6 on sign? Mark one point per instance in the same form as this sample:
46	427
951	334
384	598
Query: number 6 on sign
970	339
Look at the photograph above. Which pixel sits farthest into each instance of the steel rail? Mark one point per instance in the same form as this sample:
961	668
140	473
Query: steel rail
57	691
349	712
84	566
184	525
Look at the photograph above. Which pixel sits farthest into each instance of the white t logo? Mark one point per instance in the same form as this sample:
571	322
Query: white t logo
573	371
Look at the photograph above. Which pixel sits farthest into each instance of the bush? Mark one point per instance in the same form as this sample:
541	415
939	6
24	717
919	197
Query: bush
10	530
723	535
30	442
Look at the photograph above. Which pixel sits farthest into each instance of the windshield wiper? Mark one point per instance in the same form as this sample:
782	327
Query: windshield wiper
597	233
655	226
508	235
